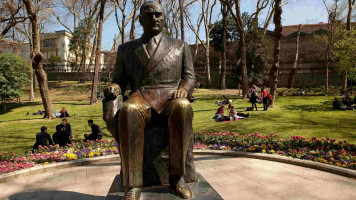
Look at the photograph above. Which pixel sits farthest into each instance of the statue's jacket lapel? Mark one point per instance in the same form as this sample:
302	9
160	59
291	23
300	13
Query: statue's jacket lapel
162	71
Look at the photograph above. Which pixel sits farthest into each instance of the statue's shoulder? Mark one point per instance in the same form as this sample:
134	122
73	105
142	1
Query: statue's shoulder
133	44
175	41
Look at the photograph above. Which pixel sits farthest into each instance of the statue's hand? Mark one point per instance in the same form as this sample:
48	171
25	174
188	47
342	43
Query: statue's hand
180	93
113	90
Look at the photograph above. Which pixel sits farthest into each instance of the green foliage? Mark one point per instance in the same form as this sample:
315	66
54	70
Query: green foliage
14	73
216	34
345	50
80	38
232	33
54	59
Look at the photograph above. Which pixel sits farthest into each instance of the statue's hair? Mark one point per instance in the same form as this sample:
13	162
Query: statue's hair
148	3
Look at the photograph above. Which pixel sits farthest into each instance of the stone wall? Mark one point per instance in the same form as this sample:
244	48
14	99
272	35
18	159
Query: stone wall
311	68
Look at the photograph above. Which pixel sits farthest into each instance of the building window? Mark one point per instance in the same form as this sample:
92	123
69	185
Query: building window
51	42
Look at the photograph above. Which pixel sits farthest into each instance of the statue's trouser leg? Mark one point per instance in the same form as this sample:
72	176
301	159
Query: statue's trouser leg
133	116
180	117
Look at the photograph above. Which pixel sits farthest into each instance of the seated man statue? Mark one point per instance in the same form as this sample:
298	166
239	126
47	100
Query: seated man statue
160	73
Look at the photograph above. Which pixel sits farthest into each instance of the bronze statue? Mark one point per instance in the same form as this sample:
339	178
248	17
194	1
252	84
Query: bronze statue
160	73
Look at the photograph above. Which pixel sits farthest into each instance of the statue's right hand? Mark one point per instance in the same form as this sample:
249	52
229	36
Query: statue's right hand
113	90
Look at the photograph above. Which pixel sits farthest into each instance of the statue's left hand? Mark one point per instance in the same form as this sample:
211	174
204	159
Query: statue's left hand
180	93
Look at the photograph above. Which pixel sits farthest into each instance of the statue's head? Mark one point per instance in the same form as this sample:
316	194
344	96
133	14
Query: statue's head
152	17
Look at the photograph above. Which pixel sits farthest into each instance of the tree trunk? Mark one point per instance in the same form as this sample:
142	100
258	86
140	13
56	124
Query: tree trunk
223	52
93	98
123	27
294	69
32	78
32	94
181	8
84	57
3	104
94	47
36	60
276	52
348	28
207	66
243	66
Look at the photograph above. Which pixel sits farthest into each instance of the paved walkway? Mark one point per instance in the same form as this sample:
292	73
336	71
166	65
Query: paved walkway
233	178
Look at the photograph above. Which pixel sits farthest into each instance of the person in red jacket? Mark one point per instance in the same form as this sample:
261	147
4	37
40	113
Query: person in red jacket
219	113
264	97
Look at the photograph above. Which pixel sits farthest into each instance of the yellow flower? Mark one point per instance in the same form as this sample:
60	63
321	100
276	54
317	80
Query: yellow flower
272	151
45	163
263	151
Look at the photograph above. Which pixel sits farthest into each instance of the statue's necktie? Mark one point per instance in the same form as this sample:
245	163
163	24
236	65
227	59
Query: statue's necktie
151	46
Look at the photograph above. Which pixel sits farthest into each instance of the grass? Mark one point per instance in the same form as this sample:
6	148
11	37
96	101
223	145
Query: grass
293	115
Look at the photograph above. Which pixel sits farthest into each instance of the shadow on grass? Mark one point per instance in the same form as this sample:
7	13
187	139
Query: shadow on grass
13	105
16	120
17	137
72	103
323	106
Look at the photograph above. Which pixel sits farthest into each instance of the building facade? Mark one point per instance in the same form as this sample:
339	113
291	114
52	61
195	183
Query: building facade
55	48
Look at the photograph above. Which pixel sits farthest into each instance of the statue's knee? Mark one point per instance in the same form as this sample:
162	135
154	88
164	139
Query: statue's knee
182	104
128	108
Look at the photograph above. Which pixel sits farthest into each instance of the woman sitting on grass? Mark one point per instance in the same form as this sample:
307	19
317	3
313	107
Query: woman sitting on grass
219	113
64	113
236	115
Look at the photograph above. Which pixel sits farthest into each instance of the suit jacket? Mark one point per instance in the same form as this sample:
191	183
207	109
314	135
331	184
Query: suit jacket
96	130
155	78
43	139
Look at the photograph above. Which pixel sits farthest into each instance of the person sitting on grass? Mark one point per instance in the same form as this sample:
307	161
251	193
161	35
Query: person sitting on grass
219	113
42	139
64	113
96	132
226	100
301	92
338	105
349	103
236	115
64	133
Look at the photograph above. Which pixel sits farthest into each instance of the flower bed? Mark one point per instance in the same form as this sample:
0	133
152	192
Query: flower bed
323	150
52	154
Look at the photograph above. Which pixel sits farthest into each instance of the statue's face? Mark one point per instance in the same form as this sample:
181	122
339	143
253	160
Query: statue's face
152	18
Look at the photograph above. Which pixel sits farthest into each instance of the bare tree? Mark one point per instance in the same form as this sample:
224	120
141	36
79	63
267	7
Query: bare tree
206	16
93	98
136	4
294	69
225	13
330	33
10	15
242	43
276	51
37	58
351	3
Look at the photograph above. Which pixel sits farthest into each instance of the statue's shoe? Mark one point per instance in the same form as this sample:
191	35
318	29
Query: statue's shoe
181	188
132	194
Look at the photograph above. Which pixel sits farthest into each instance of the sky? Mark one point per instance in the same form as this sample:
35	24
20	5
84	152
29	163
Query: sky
294	12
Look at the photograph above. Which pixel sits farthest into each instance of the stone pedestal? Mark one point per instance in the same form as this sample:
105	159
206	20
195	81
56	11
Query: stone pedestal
202	190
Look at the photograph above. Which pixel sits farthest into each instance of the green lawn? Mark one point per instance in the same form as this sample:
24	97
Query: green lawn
308	116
